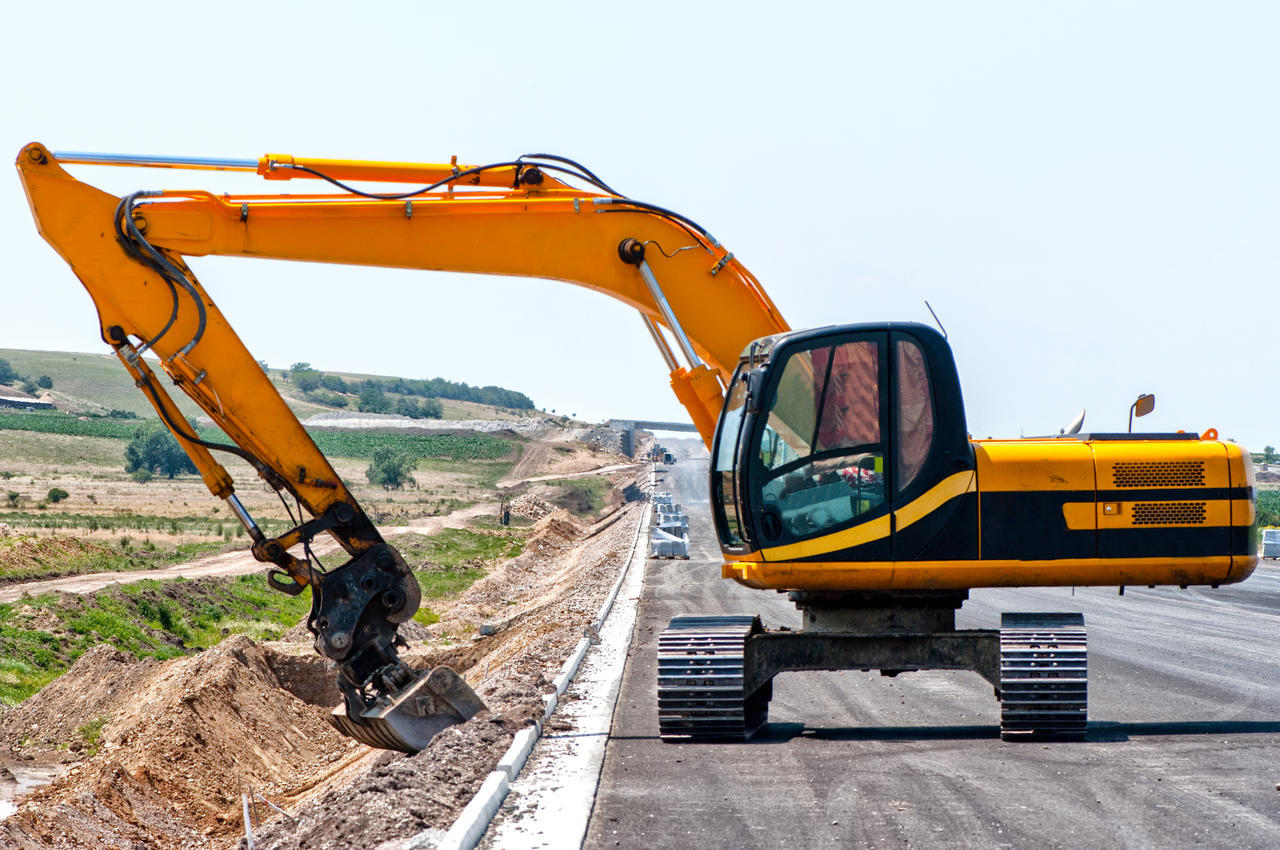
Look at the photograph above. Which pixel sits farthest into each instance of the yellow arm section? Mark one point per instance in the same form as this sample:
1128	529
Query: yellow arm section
547	230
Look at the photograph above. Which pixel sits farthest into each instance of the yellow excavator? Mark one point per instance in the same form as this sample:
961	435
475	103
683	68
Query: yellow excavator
842	471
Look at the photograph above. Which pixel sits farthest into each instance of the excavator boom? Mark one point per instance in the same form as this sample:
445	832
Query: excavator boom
512	218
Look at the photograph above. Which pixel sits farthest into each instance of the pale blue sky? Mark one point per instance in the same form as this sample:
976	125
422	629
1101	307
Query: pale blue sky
1087	193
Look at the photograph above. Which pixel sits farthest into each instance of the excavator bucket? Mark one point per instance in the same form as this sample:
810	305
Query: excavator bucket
431	702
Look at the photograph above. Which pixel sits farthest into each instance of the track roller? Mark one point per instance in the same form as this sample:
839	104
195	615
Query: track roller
1043	676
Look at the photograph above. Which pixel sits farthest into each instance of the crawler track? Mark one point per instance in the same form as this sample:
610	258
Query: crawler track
700	680
1043	676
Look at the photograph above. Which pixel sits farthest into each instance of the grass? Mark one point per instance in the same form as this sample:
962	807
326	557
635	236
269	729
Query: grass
580	496
28	448
361	444
99	382
141	523
451	560
1268	507
40	637
91	732
30	557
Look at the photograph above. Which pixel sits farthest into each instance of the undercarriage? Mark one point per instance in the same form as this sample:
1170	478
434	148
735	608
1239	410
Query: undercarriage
715	673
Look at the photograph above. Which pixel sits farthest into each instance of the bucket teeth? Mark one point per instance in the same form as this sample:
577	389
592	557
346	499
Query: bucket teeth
432	702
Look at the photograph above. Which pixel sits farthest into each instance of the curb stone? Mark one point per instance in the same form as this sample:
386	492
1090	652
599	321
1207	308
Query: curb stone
474	820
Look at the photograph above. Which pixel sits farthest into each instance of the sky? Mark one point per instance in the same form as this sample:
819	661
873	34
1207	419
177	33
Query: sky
1087	193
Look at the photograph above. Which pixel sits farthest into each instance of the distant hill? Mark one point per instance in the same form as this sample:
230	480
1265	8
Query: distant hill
97	384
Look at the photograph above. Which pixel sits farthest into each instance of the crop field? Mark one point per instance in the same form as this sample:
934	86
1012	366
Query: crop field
450	446
333	443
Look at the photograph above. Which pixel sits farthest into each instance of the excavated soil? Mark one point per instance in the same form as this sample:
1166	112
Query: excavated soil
183	739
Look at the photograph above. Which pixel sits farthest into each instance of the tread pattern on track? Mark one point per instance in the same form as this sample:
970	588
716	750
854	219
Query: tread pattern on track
1044	676
701	675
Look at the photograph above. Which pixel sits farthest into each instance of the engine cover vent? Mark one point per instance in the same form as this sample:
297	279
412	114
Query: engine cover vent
1169	513
1160	473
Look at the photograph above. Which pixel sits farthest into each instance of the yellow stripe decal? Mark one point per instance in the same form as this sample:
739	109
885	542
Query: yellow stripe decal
878	528
937	496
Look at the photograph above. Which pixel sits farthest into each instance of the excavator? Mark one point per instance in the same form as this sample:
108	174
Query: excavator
841	473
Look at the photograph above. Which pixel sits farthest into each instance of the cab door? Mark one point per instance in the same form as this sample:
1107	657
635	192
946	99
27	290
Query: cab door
819	483
934	493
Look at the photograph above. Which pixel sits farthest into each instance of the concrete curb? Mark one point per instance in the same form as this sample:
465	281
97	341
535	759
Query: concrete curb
473	822
470	826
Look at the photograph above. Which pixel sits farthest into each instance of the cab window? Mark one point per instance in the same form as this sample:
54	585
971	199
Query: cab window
821	448
913	413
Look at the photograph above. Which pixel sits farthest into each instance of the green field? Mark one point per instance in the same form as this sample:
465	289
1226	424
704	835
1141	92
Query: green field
30	557
41	636
97	383
335	443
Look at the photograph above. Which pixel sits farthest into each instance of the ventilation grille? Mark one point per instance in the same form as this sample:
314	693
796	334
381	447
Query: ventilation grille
1169	513
1169	473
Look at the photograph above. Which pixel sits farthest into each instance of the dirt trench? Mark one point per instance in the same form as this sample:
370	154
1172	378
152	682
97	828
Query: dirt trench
176	743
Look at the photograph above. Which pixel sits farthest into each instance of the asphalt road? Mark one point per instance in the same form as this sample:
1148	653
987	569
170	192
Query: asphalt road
1183	746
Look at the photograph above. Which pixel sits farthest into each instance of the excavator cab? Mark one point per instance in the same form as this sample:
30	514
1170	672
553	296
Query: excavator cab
827	434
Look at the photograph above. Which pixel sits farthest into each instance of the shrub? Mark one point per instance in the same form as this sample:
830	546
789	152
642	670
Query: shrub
154	449
306	380
373	399
326	398
57	494
141	475
45	381
391	469
334	383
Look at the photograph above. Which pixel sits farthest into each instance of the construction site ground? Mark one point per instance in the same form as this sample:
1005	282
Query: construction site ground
1182	748
122	752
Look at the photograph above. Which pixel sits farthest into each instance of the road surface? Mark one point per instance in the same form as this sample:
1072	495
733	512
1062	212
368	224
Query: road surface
1183	747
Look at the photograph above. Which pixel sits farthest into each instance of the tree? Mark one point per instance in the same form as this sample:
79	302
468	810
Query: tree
306	379
28	386
45	381
57	494
1268	454
428	408
154	449
334	383
391	469
6	372
373	399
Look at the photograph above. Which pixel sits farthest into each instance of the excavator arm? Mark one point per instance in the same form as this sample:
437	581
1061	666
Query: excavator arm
515	218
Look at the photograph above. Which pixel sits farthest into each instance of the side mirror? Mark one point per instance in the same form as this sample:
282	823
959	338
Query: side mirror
1144	405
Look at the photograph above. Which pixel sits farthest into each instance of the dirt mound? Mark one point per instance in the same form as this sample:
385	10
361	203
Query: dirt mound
398	796
186	737
57	722
555	528
530	506
192	736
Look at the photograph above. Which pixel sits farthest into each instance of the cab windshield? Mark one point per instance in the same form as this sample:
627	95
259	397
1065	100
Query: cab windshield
821	451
